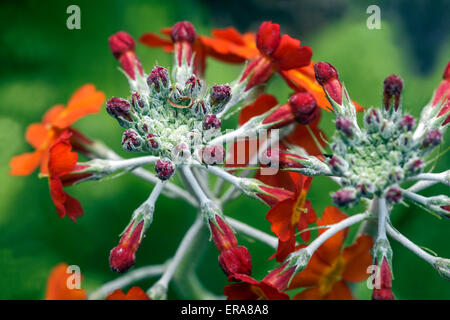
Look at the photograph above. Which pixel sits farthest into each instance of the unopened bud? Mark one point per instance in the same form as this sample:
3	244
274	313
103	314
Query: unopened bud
345	126
393	195
284	159
365	189
137	101
338	165
384	292
122	47
393	86
183	31
236	260
268	37
304	107
443	267
199	109
219	97
407	123
120	109
345	197
414	166
193	86
123	256
433	139
373	119
164	169
181	152
158	78
152	141
281	117
327	76
211	121
132	141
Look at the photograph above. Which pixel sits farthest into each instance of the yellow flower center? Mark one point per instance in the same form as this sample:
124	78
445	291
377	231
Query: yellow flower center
298	208
331	276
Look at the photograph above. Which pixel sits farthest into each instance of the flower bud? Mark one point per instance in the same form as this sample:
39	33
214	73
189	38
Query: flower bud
137	101
123	256
284	159
396	175
212	155
268	194
193	87
164	169
373	119
393	86
281	117
338	165
384	292
222	235
443	267
327	76
407	123
152	141
199	109
257	72
345	197
183	31
211	121
219	97
393	195
236	260
279	278
304	107
181	152
414	166
345	126
158	78
433	139
365	189
120	109
122	47
132	141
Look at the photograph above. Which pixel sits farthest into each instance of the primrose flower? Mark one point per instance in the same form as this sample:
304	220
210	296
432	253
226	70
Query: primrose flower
41	136
57	288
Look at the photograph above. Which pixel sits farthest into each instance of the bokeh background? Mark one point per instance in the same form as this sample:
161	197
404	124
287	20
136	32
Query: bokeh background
42	63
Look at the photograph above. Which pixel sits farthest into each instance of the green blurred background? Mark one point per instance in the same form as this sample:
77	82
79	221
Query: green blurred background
43	63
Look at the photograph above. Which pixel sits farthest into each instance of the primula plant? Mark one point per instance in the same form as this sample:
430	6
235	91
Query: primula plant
172	120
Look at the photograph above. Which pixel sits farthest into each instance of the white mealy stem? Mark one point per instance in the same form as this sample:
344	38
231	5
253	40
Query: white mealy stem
382	218
188	238
410	245
127	279
421	185
115	165
442	177
335	228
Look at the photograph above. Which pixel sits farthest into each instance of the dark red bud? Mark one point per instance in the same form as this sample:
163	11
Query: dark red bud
236	260
433	139
213	155
193	85
121	42
222	235
327	76
279	278
407	122
183	31
220	95
385	290
304	107
158	76
281	117
394	195
393	86
123	256
415	166
284	159
164	169
131	140
344	197
211	121
345	126
152	141
136	100
119	108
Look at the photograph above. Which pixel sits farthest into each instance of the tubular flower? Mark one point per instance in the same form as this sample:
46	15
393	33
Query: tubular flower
442	95
226	45
63	171
277	53
122	46
331	267
41	136
292	214
269	288
57	285
135	293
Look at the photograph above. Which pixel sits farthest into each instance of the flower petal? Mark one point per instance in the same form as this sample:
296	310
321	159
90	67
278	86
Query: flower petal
357	258
290	54
135	293
153	40
57	285
263	103
84	101
311	275
36	135
268	37
309	294
340	291
24	164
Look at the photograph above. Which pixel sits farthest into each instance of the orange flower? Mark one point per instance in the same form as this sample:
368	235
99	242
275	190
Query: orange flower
41	136
63	171
290	215
135	293
330	267
57	288
227	45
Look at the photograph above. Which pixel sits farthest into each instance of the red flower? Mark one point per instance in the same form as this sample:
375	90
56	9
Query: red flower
290	215
330	267
135	293
122	46
442	95
269	288
57	288
277	53
64	171
41	136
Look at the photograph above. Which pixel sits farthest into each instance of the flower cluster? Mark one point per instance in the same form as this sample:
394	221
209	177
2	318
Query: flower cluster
173	120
